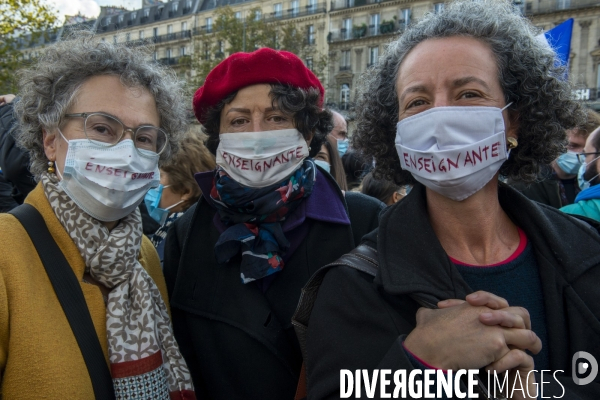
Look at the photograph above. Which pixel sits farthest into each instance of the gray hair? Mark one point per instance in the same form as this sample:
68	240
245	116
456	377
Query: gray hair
50	86
526	70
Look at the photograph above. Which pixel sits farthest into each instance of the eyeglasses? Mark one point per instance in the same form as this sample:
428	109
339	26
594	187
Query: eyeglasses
581	156
109	131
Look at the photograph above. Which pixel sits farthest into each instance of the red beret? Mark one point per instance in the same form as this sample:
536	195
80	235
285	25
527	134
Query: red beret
244	69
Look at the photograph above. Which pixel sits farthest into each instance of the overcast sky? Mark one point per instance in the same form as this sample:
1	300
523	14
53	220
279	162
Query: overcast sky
90	8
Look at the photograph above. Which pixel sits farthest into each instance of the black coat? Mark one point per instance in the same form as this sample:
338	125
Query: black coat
14	161
238	341
360	323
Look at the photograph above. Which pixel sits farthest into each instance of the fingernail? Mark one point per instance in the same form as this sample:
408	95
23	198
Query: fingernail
474	295
486	315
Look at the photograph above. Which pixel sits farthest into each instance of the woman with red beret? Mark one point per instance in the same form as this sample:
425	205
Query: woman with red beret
268	218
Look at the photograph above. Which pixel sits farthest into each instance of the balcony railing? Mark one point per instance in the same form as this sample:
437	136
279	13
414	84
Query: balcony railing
343	4
172	36
181	60
299	12
358	32
544	7
275	16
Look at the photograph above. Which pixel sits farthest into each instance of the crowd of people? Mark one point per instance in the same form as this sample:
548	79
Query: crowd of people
144	258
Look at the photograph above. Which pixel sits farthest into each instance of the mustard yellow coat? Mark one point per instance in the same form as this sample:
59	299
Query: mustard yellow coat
39	356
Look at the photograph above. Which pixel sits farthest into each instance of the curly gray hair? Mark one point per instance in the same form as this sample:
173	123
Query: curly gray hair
526	71
49	87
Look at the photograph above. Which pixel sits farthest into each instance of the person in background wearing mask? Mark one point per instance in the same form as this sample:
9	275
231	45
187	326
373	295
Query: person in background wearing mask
96	118
329	159
504	283
587	202
267	219
558	184
340	132
177	190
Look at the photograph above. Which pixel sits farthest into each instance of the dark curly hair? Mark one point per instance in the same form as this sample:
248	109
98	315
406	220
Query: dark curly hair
526	70
308	117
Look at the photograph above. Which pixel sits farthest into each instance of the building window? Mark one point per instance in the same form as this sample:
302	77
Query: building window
182	51
238	15
128	37
206	51
133	15
184	26
209	24
155	32
373	55
311	34
345	61
344	96
295	7
155	55
309	63
141	34
169	53
169	29
146	12
115	39
258	15
374	26
563	4
121	17
108	20
438	7
349	3
277	10
175	6
312	6
347	28
405	17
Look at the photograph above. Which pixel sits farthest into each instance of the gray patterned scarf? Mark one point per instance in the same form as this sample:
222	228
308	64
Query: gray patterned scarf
145	360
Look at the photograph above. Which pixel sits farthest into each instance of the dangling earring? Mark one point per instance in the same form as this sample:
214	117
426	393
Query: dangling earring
50	167
511	143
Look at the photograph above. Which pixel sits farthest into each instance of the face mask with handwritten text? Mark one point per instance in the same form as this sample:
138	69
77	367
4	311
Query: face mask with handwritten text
454	151
108	183
260	159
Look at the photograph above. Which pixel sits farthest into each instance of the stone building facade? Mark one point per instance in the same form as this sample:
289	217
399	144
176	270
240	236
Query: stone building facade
352	33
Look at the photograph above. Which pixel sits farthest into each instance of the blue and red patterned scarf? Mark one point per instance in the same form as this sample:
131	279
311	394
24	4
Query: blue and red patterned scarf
253	217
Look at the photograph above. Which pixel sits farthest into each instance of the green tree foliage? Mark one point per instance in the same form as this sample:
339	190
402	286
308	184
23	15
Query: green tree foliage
22	23
231	35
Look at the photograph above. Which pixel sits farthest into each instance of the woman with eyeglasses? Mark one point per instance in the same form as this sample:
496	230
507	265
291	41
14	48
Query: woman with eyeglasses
83	304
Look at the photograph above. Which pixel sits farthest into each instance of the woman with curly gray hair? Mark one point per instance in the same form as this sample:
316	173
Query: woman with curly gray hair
83	311
505	283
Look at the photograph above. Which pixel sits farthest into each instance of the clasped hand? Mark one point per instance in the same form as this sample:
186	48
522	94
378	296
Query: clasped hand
483	331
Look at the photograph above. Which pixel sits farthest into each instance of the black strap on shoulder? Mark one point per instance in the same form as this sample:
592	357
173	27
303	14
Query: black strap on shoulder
362	258
69	294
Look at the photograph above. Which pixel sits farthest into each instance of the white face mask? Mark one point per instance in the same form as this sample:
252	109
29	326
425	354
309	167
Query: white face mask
108	183
260	159
454	151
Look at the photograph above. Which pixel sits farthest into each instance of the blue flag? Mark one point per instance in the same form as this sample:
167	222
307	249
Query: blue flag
559	38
